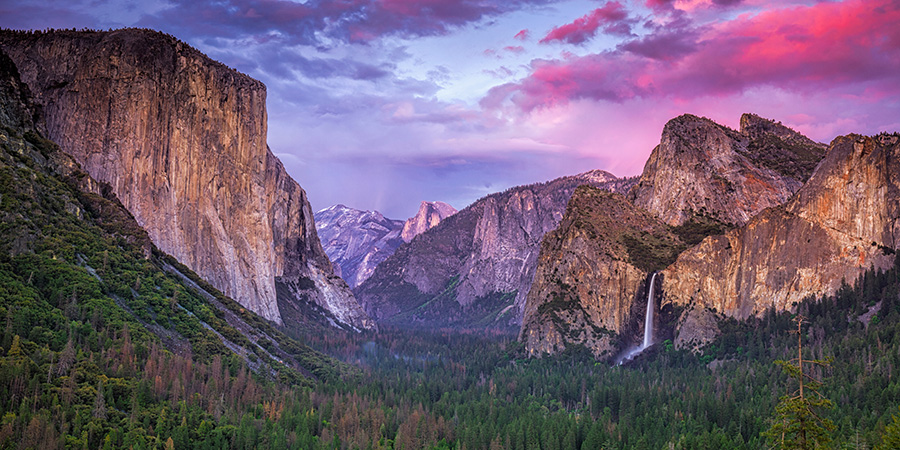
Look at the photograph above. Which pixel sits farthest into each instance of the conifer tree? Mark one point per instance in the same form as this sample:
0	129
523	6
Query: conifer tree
891	437
66	358
15	349
798	423
99	410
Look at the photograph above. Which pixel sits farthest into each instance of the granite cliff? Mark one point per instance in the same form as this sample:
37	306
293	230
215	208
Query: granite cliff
844	220
70	250
429	215
475	267
701	180
592	270
357	241
181	139
703	169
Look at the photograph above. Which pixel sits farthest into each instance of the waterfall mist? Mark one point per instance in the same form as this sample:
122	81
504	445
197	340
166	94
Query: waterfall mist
648	327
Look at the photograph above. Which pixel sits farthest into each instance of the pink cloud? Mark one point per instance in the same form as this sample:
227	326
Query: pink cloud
656	4
517	49
522	35
689	5
612	17
853	46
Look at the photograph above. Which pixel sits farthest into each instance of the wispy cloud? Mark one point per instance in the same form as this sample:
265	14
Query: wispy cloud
612	18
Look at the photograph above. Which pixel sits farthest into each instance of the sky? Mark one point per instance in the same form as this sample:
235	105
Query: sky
382	104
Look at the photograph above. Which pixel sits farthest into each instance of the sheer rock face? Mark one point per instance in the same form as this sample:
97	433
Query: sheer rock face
586	281
182	141
703	168
593	269
845	219
357	241
430	214
486	249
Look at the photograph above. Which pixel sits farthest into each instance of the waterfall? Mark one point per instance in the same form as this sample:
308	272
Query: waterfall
648	327
648	319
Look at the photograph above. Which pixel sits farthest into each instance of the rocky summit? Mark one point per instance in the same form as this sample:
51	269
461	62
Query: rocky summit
356	241
474	269
701	169
429	215
735	222
843	221
181	139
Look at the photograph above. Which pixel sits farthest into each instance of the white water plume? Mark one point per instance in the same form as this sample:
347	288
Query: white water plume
648	327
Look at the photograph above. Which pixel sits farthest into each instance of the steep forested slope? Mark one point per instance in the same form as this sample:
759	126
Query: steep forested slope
106	340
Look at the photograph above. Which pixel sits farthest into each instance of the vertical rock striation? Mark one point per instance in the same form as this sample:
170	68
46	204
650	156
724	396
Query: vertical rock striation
844	220
182	141
590	273
475	267
701	168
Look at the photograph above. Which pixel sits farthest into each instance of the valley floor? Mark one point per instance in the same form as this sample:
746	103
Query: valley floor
443	389
452	390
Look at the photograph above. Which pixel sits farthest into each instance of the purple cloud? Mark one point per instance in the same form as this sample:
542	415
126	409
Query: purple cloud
317	22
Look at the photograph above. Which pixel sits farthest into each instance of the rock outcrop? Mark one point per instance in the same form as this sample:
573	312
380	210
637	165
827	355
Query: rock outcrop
182	141
357	241
429	215
17	110
844	220
697	327
701	168
475	267
701	180
591	271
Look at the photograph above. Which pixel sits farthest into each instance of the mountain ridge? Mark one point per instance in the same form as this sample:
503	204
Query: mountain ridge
850	208
474	268
701	168
70	246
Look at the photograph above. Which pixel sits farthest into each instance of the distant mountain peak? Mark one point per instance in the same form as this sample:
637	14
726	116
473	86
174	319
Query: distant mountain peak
429	216
356	240
596	176
475	269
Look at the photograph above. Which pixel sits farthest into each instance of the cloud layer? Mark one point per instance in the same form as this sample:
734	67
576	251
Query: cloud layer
379	104
853	46
328	22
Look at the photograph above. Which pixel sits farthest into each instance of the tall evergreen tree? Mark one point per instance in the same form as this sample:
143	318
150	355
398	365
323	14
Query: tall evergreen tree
797	423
